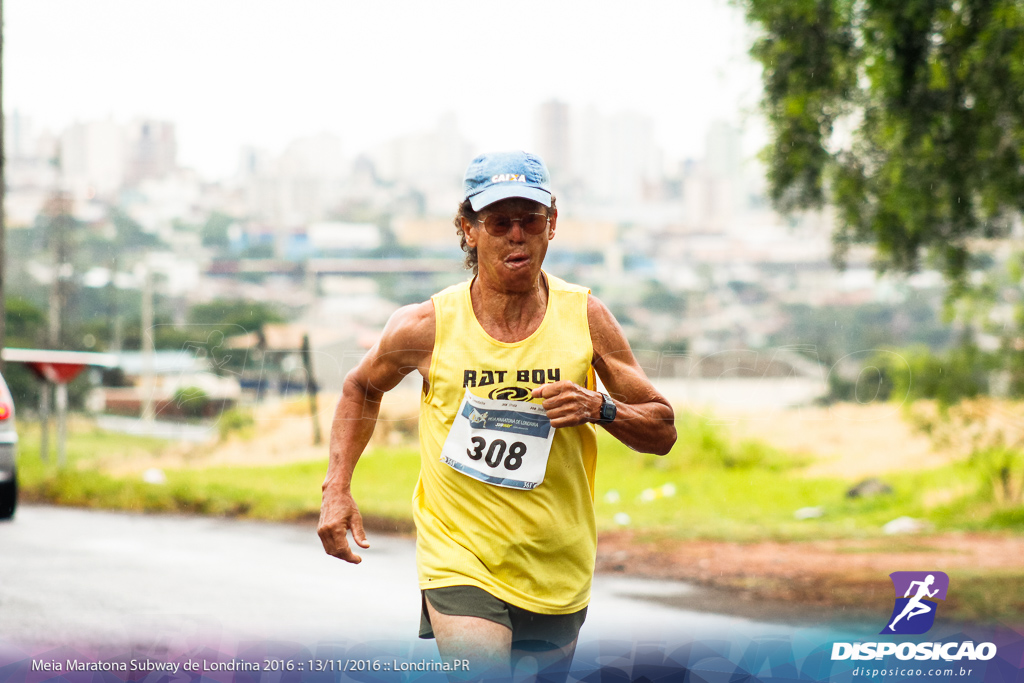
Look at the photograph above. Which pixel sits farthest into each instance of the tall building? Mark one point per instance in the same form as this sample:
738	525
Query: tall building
430	163
551	135
303	184
18	141
92	158
722	150
312	170
253	161
615	159
713	191
152	149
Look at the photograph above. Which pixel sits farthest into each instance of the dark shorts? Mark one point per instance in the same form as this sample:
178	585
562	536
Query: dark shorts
530	630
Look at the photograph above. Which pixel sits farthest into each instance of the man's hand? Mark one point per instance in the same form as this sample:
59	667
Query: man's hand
338	516
568	404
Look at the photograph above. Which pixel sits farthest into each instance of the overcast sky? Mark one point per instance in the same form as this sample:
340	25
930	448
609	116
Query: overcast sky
234	72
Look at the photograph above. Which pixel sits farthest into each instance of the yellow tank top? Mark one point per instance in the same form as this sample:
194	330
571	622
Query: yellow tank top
531	548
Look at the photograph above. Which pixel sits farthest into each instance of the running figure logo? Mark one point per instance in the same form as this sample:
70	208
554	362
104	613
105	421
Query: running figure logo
914	613
478	418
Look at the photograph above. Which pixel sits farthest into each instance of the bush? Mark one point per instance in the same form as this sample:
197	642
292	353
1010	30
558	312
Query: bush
706	444
1001	467
990	432
236	420
916	373
191	400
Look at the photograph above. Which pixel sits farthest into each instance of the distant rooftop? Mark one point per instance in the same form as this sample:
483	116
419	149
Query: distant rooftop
164	362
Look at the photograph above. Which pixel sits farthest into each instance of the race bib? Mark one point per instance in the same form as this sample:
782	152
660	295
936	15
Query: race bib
504	443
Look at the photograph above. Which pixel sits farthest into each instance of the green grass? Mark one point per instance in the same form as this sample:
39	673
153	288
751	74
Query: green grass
86	443
722	490
750	503
382	488
289	492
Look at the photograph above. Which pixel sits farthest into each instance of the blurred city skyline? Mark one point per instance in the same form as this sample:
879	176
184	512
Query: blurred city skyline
311	160
235	76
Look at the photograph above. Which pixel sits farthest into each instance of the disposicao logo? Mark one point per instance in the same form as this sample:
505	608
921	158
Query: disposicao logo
914	614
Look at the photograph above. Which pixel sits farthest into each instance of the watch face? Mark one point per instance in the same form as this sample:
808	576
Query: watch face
608	410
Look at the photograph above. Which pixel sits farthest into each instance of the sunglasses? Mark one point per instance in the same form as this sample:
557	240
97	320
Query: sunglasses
498	225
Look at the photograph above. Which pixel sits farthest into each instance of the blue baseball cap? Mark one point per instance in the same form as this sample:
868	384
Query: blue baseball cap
494	176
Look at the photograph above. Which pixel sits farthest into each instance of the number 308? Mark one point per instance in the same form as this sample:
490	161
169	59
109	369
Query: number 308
496	451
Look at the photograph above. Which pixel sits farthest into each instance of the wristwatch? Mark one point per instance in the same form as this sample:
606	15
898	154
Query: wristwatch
608	410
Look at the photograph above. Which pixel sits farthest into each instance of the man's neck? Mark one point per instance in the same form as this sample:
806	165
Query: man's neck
509	316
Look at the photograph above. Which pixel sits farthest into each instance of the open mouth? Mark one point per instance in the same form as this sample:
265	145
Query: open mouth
517	260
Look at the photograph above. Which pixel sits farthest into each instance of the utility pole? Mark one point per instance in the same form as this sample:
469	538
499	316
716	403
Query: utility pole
3	183
59	216
56	211
148	383
311	389
62	273
114	309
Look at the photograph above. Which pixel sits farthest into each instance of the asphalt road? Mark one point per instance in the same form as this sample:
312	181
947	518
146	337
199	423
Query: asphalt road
92	579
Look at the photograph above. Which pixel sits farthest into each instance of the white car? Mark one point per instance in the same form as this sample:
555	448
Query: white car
8	446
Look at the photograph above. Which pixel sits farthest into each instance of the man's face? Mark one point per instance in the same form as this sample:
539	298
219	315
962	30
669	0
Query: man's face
512	260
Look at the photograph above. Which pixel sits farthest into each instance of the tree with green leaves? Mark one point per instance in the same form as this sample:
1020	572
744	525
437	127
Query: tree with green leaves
907	116
236	316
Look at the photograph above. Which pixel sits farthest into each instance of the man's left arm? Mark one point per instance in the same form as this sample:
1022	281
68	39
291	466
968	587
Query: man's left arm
644	420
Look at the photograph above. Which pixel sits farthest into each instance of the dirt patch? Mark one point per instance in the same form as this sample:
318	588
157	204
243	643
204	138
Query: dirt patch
845	440
836	579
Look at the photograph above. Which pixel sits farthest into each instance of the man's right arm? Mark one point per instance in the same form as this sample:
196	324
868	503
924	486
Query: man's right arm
404	346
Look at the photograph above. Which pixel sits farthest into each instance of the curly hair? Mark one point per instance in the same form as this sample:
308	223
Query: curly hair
466	211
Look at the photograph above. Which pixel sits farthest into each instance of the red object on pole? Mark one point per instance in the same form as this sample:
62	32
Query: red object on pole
58	373
59	367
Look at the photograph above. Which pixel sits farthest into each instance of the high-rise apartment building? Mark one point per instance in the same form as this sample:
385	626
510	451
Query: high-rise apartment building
152	149
429	162
713	190
303	184
92	158
18	141
552	138
723	154
615	158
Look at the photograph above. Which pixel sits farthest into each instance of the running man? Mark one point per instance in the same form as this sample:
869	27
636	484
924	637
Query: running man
504	506
915	606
